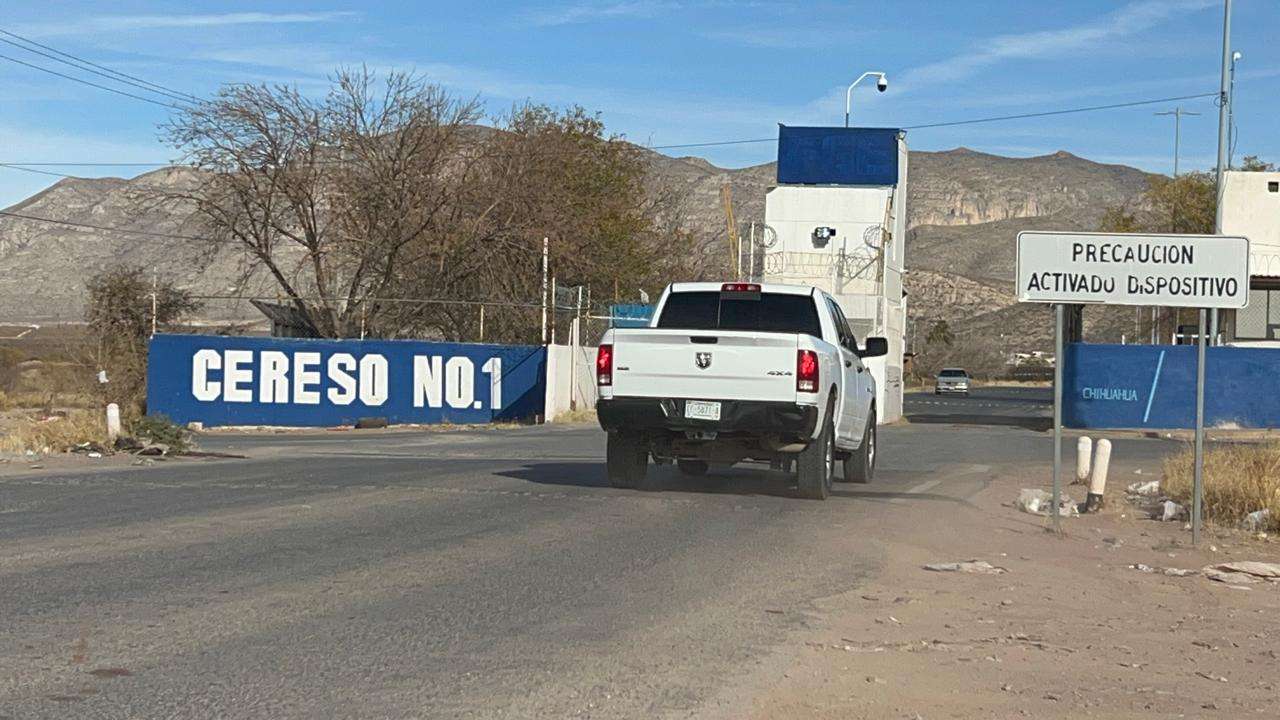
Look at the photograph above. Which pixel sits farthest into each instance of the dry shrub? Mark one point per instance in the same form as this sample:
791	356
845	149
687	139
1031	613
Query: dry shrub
53	434
1238	479
581	415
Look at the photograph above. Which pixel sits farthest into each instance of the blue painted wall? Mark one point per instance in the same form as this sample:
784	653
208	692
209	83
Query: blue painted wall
220	380
1153	386
837	156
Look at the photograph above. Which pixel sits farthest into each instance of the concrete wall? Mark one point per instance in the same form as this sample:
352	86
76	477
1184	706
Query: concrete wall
1153	386
1251	208
228	380
865	282
571	379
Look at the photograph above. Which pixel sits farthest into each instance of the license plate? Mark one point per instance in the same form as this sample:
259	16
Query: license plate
702	410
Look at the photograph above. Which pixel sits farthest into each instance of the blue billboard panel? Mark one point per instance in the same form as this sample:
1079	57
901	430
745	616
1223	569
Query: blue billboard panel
837	156
630	315
1153	386
221	380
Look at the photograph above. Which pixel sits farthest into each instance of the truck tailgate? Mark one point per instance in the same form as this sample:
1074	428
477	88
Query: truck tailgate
712	365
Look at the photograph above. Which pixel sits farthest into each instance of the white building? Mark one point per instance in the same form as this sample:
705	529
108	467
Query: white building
842	228
1251	207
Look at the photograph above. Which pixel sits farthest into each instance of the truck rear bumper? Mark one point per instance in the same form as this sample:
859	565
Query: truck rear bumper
742	416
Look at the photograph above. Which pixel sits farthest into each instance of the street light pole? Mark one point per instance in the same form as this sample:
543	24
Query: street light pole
882	83
1224	135
1231	111
1224	109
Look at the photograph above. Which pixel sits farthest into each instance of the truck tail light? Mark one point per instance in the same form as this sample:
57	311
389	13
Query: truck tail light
604	365
806	371
740	288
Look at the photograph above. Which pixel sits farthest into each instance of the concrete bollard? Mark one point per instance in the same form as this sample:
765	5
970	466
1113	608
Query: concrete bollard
113	422
1084	452
1098	480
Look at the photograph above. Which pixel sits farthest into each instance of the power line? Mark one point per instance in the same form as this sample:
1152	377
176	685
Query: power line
101	67
87	226
1047	113
717	143
15	166
24	168
709	144
96	69
90	164
90	83
972	121
421	301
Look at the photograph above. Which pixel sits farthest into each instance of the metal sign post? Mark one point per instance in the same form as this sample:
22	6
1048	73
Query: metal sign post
1170	270
1059	310
1197	485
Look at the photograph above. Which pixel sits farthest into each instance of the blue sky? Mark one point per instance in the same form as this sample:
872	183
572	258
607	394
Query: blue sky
673	71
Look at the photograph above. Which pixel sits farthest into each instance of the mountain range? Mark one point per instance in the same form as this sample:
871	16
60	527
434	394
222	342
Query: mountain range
964	210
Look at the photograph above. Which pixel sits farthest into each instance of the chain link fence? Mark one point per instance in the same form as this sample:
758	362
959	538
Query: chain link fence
454	320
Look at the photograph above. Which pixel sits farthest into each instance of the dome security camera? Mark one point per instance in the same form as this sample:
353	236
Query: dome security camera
882	84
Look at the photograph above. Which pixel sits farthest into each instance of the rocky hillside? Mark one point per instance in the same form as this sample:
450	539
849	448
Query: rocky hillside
964	208
44	266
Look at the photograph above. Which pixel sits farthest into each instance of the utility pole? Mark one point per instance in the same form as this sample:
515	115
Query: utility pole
155	298
735	249
1224	134
546	261
1224	109
1177	114
1231	112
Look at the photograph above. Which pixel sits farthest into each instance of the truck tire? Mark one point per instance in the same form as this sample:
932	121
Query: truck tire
626	460
816	463
861	463
693	468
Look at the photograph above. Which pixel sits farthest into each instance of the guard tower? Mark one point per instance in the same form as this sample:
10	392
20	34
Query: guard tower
837	220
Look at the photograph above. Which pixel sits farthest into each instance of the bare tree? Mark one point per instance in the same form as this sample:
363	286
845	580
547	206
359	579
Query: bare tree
326	195
553	174
371	206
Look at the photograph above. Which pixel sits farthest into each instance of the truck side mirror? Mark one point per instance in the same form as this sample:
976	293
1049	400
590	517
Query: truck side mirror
875	347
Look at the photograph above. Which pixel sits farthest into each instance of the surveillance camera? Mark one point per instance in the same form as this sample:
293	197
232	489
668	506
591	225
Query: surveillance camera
882	84
822	236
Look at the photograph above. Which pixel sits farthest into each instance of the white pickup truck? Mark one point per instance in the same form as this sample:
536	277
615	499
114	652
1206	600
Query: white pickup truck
737	372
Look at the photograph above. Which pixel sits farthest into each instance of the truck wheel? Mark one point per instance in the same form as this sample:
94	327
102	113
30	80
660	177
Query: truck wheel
695	468
861	463
626	460
815	465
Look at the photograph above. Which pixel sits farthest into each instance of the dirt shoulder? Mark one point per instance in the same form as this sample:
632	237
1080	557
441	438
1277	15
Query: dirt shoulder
1069	630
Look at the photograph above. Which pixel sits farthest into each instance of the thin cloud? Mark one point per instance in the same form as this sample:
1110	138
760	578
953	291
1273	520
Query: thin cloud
770	38
1129	20
133	23
590	12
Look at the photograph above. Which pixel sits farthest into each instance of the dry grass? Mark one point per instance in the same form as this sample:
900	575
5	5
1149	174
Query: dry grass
52	435
47	400
37	384
581	415
1238	479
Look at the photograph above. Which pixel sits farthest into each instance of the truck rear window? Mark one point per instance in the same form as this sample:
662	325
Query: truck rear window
772	312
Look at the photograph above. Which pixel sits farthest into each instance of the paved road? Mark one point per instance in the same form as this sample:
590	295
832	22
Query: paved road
478	574
1028	407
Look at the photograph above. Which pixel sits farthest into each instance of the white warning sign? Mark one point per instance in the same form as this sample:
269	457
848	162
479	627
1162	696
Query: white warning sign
1203	271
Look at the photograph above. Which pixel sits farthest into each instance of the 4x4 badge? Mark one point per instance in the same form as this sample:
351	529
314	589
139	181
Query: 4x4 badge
703	360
